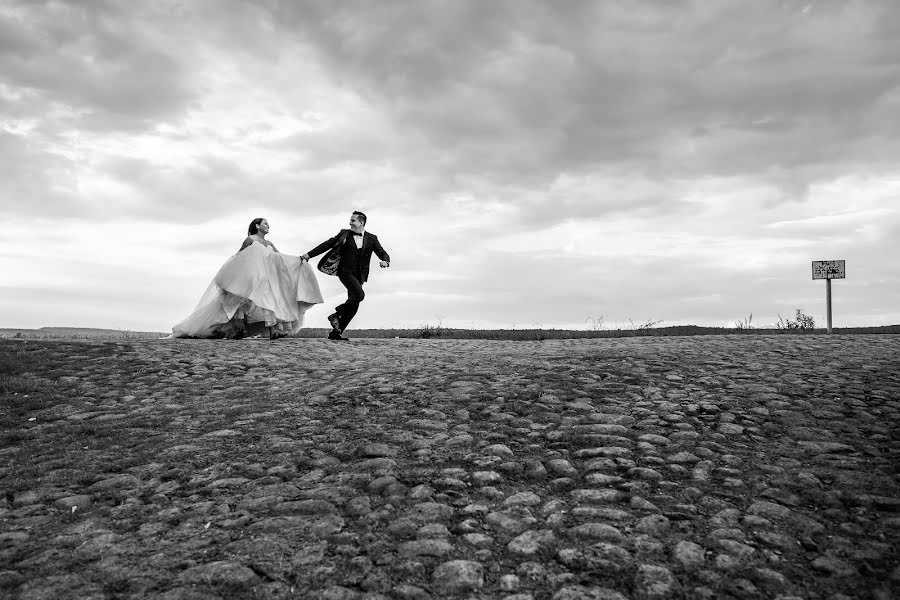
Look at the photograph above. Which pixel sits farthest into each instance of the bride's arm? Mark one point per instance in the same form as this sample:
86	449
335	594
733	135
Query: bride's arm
274	248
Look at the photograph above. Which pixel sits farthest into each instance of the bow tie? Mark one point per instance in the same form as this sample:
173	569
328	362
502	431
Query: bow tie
354	233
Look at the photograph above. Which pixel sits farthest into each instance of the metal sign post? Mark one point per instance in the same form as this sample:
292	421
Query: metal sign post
828	270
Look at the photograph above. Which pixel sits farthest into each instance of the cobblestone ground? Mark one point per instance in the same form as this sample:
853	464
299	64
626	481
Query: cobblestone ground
691	467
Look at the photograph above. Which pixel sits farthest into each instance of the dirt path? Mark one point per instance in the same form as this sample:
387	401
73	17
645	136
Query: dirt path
691	467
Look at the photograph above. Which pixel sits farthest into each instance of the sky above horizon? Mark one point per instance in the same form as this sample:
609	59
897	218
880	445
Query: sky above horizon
526	164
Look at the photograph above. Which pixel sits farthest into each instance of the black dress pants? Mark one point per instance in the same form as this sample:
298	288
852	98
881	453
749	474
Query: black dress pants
355	295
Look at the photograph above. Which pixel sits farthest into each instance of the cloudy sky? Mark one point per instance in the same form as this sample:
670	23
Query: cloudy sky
525	163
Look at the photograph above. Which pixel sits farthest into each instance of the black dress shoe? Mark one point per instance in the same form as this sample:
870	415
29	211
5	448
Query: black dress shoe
277	335
335	322
337	337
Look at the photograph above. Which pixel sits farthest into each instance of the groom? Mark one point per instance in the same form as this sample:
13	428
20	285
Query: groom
356	247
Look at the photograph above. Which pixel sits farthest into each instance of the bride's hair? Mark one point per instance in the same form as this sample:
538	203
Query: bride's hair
254	226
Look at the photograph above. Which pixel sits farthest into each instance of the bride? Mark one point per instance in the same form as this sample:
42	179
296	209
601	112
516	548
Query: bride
256	290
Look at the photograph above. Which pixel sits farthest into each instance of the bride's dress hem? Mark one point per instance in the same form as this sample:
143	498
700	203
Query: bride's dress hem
256	288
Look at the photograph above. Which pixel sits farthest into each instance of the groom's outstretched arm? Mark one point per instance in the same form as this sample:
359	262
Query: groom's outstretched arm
379	251
323	247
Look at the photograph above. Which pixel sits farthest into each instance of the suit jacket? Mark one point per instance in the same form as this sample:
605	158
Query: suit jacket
370	244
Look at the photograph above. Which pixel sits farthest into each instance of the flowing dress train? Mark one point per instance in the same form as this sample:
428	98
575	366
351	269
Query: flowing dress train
255	289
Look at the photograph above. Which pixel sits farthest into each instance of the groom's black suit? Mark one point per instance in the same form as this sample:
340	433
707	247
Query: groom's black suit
353	270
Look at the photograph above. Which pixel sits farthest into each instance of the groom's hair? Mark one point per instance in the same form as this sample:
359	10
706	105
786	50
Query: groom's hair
254	226
360	216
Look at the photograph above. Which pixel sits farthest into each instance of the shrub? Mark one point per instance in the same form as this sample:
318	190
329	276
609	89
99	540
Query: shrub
595	323
645	328
746	324
431	331
802	322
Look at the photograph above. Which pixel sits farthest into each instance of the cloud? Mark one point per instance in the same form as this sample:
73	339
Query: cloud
27	174
517	158
103	63
528	91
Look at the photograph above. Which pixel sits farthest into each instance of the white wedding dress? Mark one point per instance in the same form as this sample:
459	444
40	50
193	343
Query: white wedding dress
255	289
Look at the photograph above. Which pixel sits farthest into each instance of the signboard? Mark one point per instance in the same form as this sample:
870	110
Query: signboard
828	269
